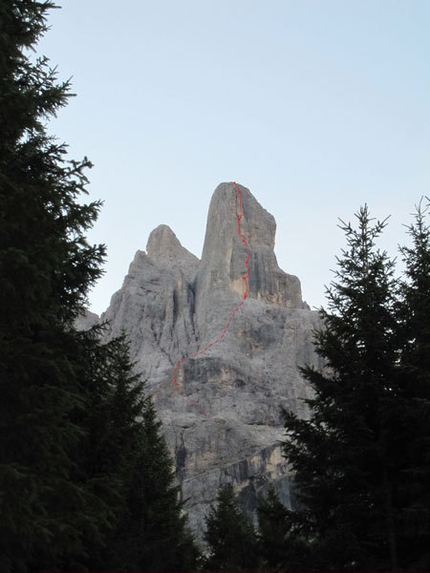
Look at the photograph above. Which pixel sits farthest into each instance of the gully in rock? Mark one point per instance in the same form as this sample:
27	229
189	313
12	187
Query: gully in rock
235	311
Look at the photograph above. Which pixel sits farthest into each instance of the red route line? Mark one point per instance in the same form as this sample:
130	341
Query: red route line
235	311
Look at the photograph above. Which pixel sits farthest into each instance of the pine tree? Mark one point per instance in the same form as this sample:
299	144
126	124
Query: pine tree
151	532
125	460
81	460
230	536
112	395
46	268
342	455
154	528
280	546
413	414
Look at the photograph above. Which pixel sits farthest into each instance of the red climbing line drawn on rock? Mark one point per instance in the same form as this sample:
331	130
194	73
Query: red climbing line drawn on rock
232	315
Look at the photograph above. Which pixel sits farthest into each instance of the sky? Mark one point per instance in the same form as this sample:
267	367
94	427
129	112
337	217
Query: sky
317	106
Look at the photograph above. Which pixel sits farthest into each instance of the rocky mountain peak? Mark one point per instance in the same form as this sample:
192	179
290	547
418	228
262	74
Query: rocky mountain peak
163	244
219	365
222	267
164	248
226	205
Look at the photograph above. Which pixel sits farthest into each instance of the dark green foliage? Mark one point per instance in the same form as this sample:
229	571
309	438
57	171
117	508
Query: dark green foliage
46	267
168	545
44	254
280	544
113	400
340	454
82	463
362	460
150	532
230	536
413	439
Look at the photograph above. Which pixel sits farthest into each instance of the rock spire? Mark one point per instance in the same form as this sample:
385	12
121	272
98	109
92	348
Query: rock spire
172	306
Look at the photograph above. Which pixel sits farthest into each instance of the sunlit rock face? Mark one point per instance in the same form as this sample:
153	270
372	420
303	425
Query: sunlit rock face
222	418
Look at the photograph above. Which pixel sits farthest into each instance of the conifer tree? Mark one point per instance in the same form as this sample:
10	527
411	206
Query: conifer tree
412	440
342	455
46	268
81	460
125	459
154	528
230	536
280	546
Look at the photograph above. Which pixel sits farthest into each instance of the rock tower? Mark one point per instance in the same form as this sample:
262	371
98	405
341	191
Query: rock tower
173	305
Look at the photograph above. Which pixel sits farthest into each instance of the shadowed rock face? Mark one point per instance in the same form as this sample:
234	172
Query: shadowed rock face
172	306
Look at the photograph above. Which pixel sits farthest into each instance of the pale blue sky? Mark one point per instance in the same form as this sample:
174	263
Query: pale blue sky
317	106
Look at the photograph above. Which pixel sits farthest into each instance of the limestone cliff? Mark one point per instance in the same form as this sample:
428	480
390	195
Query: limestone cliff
222	419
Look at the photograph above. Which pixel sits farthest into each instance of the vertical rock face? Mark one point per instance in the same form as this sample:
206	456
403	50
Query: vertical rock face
221	408
222	268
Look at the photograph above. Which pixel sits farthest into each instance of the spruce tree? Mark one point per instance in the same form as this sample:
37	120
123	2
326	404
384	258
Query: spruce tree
125	460
342	455
280	545
153	531
230	536
413	414
46	268
85	480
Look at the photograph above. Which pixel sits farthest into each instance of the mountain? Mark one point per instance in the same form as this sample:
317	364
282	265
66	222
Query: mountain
219	341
